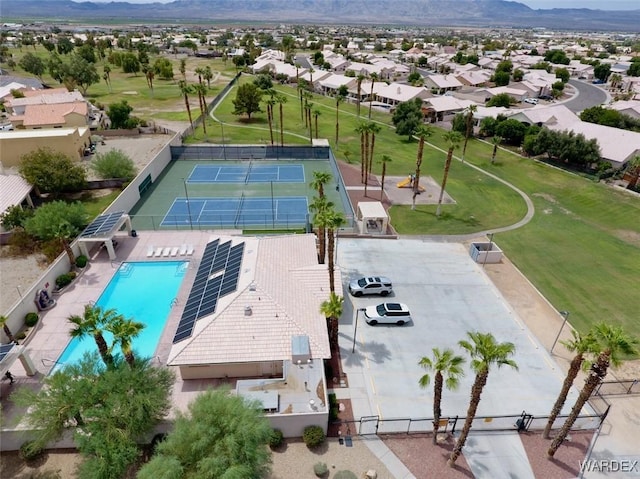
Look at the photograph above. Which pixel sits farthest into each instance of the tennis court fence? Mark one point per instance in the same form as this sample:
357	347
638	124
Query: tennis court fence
249	152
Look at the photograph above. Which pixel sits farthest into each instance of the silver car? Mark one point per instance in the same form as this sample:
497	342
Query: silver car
387	313
371	285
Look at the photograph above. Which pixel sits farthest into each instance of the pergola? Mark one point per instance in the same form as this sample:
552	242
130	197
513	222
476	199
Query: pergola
8	355
102	230
372	217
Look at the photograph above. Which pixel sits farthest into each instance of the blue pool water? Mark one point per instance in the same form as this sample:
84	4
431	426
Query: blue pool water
142	291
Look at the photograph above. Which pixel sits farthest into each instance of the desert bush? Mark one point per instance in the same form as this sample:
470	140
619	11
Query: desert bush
65	279
276	439
29	451
114	164
31	319
345	475
81	261
320	469
313	436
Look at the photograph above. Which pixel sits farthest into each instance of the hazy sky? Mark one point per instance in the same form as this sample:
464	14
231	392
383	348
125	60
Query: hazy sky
593	4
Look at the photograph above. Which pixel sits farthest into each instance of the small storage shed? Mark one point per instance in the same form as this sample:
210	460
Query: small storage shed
372	218
485	252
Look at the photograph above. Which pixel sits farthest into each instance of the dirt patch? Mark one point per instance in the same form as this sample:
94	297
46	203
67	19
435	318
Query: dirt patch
628	236
566	462
52	464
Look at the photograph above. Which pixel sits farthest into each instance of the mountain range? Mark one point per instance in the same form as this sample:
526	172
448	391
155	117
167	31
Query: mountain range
476	13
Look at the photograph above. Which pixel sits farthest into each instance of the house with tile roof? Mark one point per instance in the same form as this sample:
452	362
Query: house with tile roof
58	115
442	83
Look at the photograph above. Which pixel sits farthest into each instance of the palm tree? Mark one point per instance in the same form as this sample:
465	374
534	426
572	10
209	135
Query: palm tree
444	363
186	90
124	330
332	310
281	100
5	328
453	138
359	80
372	129
270	102
485	352
341	96
362	129
582	345
615	79
150	74
107	75
471	109
422	132
384	160
495	141
316	114
613	344
333	220
320	178
319	205
374	78
94	322
183	68
208	75
201	90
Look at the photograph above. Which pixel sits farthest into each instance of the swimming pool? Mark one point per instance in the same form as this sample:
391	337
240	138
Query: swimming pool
143	291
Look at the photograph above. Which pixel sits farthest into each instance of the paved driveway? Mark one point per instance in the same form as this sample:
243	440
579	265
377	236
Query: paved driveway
448	295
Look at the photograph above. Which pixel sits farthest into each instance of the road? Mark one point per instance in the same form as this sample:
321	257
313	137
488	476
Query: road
588	95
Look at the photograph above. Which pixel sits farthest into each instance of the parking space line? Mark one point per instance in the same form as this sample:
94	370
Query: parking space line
373	385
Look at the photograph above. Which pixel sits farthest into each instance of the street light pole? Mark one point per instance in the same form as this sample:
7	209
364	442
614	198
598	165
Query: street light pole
184	182
224	148
565	314
355	330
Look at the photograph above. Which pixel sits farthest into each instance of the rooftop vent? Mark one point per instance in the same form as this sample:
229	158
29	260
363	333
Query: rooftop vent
252	287
248	311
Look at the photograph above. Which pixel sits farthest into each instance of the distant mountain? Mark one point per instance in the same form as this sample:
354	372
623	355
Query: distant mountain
400	12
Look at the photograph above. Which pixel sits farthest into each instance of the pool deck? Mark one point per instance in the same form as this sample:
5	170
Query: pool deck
51	337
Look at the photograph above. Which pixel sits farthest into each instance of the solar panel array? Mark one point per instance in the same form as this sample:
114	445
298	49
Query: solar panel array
102	224
5	349
217	276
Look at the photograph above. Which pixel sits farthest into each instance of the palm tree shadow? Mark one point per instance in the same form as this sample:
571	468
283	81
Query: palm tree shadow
374	351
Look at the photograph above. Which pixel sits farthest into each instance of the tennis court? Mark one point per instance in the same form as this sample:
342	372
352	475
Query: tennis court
250	173
241	211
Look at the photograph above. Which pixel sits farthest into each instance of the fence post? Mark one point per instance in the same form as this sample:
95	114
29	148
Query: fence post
633	383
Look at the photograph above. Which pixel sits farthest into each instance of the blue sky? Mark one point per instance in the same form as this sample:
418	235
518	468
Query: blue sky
593	4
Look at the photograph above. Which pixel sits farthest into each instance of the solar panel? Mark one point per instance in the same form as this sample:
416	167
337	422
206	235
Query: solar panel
5	349
102	224
205	291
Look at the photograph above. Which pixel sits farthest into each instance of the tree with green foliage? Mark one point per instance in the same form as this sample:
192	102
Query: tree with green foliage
341	96
87	52
511	131
93	323
517	75
563	74
613	345
5	327
453	139
319	206
485	352
130	63
114	164
505	66
80	73
415	79
384	160
124	330
501	78
120	115
15	216
422	133
247	100
64	45
634	69
602	71
567	146
332	309
609	117
221	436
495	141
407	116
109	411
468	130
501	99
333	221
32	64
445	364
52	172
263	82
557	56
163	68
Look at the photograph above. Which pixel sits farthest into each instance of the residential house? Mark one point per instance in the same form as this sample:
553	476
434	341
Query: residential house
474	78
69	141
440	84
395	93
330	84
630	108
440	107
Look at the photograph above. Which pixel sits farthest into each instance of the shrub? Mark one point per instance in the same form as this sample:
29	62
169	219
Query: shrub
81	261
320	469
276	439
15	216
345	475
20	336
313	436
30	451
114	164
65	279
333	401
31	319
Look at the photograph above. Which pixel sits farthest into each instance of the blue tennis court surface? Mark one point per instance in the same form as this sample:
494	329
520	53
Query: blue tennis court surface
241	211
250	173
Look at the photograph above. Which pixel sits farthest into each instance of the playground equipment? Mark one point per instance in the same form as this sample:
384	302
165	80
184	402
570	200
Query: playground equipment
408	183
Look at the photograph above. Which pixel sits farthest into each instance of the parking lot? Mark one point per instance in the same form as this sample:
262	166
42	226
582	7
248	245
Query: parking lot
448	294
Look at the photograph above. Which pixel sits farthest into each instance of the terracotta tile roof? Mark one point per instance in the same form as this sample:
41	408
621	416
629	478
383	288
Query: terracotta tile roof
289	287
50	114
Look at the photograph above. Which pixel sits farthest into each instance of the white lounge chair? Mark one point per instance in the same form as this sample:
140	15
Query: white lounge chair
166	251
158	251
174	251
150	250
189	250
183	249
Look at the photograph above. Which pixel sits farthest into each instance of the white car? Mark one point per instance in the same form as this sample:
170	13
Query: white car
533	101
371	285
387	313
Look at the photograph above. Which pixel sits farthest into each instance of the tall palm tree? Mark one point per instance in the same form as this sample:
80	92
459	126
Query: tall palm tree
485	352
359	80
341	96
320	179
281	100
374	78
208	75
107	75
201	90
444	363
183	68
94	322
316	114
150	74
613	344
333	220
319	206
373	129
384	160
582	345
362	129
332	310
422	132
186	89
495	141
271	101
5	328
471	109
124	330
453	139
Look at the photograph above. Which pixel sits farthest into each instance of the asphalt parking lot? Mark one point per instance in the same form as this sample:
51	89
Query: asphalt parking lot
448	294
